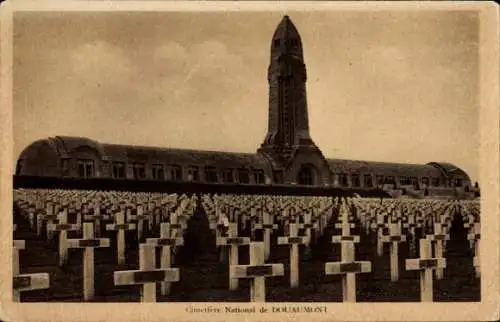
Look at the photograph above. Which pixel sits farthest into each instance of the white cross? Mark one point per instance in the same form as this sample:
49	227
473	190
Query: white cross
120	227
88	243
439	237
234	241
348	267
293	240
147	275
394	238
425	264
257	271
165	242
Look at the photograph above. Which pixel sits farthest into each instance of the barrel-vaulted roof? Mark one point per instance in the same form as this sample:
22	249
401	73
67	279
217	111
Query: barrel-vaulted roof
396	169
184	156
64	146
449	169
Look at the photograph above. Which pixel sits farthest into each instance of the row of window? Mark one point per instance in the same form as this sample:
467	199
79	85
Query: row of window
288	42
381	180
242	175
174	172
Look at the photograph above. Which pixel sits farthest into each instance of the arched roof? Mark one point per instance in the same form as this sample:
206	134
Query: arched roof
31	151
396	169
62	146
67	144
449	169
185	156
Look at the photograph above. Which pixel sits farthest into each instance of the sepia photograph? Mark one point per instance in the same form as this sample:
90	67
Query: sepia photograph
258	161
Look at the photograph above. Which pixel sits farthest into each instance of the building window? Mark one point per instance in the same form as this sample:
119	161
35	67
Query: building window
435	182
193	173
139	170
425	181
175	172
355	180
278	177
458	182
276	43
118	169
158	172
343	179
380	179
227	175
259	177
85	168
243	176
368	181
390	180
210	174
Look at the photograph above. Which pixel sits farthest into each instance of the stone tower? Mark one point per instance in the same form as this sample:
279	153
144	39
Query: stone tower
288	124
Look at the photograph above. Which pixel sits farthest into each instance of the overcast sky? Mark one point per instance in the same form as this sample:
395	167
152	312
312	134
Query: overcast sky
395	87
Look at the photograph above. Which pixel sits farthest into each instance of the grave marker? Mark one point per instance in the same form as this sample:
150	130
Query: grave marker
147	275
257	271
120	227
294	240
425	264
166	243
88	243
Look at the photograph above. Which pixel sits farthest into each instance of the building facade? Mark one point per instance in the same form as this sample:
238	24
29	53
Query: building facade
287	156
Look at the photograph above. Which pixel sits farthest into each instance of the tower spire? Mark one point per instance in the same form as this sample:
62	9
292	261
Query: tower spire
288	126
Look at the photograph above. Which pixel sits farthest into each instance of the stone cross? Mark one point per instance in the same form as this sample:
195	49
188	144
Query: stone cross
347	267
425	264
394	238
234	242
438	237
475	237
88	243
257	271
25	282
166	243
294	240
63	227
268	227
147	275
120	227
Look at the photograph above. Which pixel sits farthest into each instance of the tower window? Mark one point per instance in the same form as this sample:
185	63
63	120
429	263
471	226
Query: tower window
276	43
458	182
293	42
118	169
